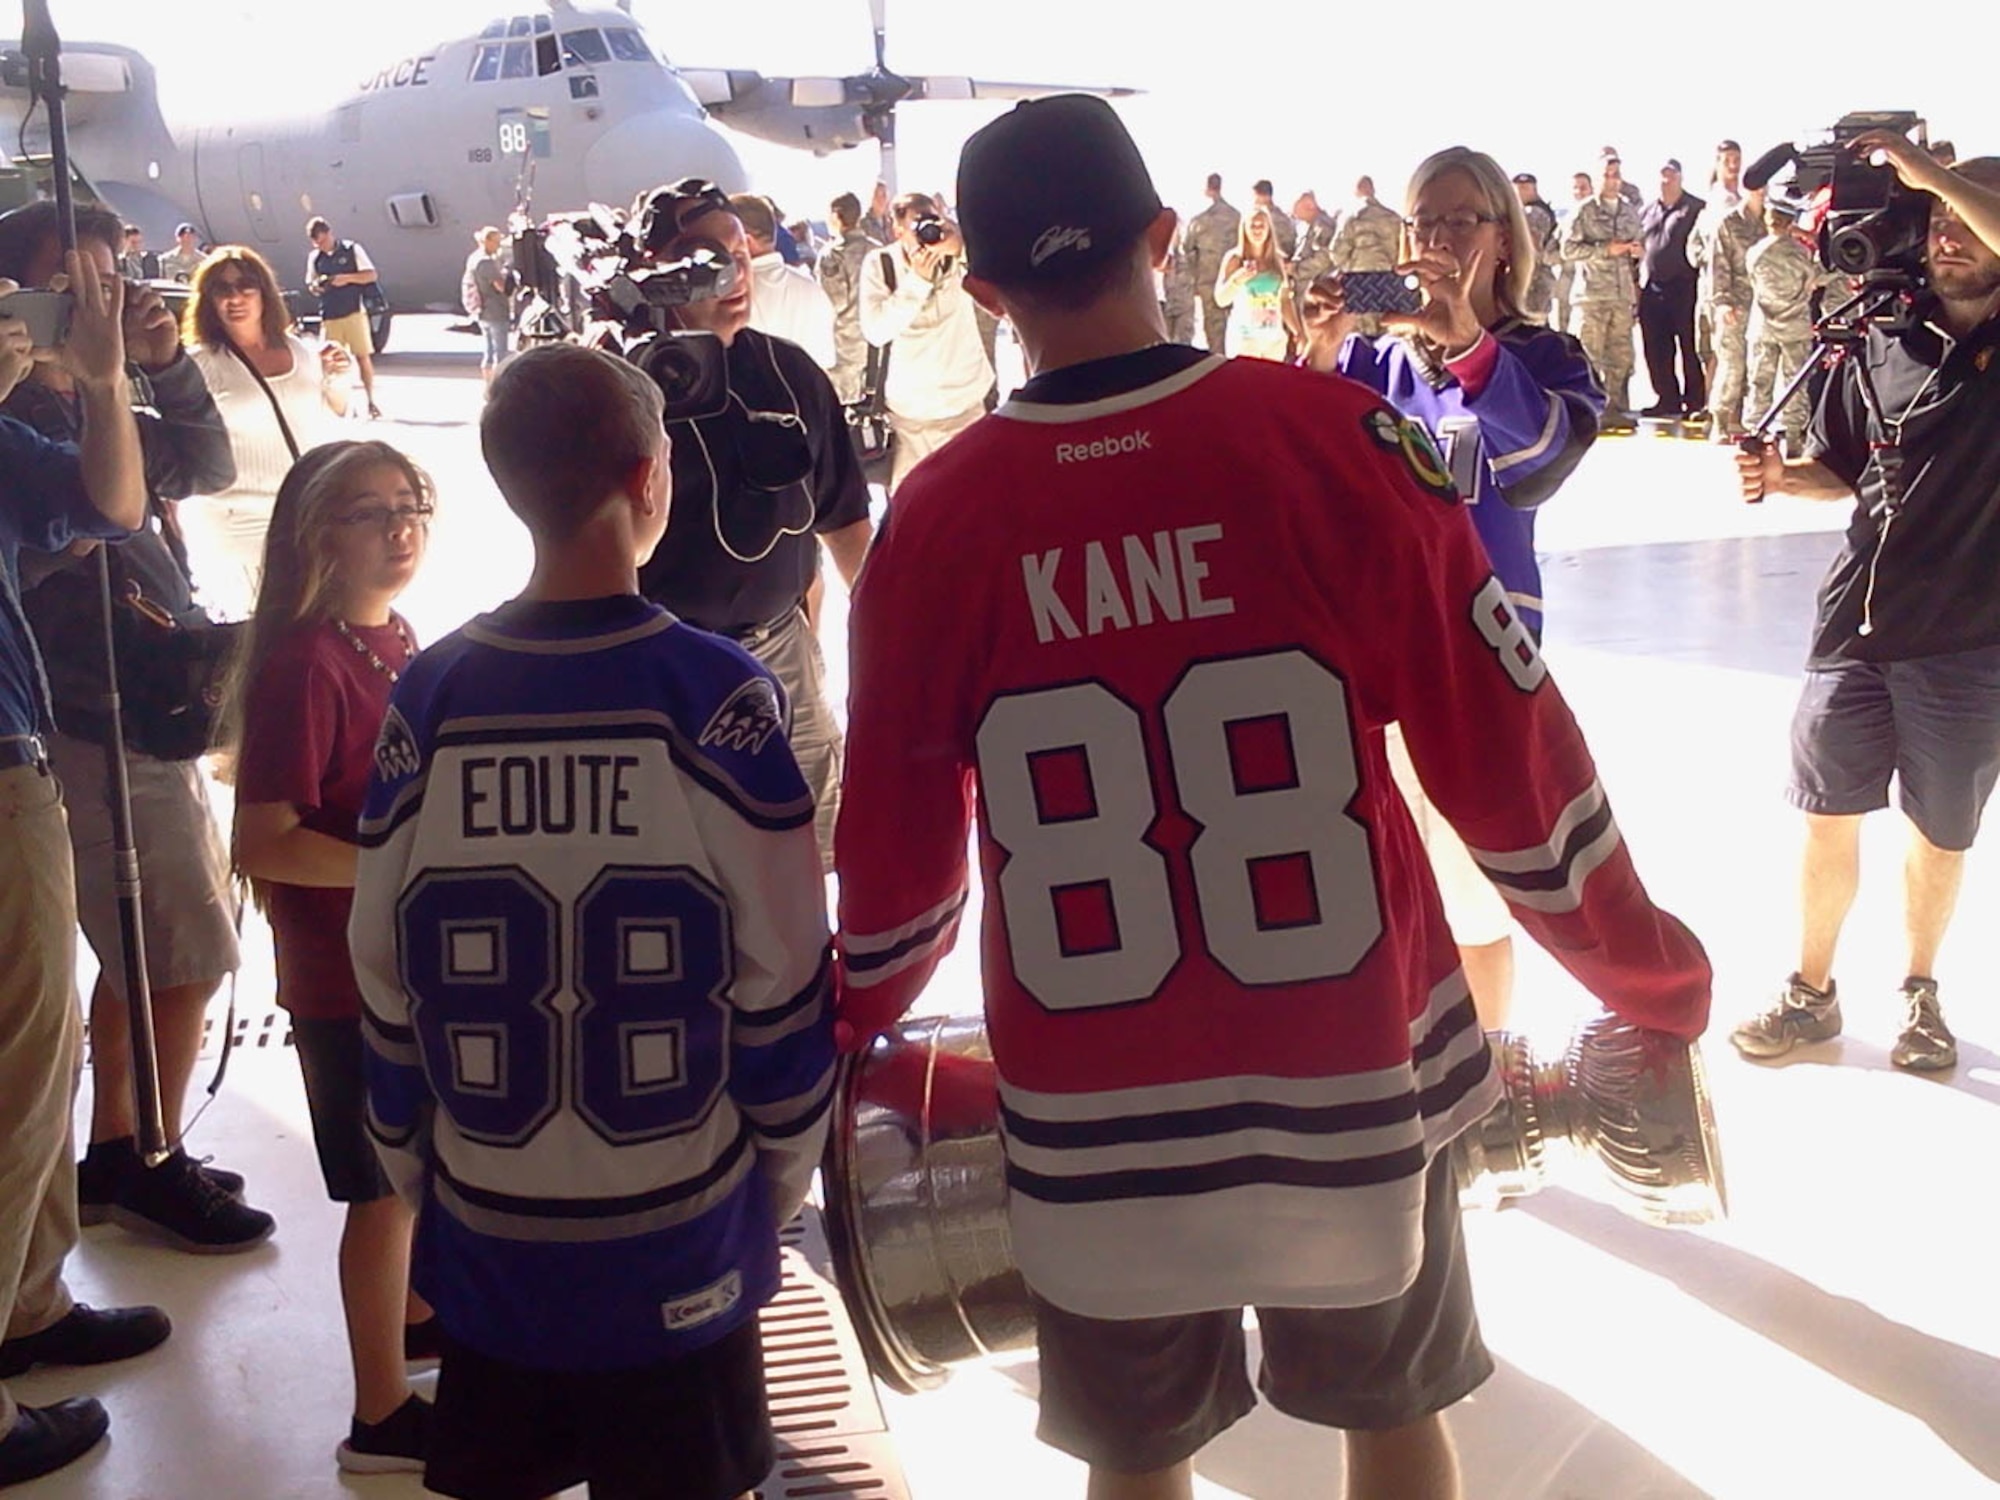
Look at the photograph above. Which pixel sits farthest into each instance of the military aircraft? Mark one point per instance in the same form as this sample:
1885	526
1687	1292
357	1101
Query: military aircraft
561	105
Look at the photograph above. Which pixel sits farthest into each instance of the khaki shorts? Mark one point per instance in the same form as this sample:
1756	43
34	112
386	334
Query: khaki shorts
185	894
351	330
1472	906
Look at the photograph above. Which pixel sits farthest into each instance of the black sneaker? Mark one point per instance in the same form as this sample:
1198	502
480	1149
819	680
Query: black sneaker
1925	1043
106	1165
179	1203
46	1438
1802	1014
395	1445
87	1336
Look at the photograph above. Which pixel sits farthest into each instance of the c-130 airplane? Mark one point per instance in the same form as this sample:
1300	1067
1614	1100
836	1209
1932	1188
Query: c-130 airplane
572	101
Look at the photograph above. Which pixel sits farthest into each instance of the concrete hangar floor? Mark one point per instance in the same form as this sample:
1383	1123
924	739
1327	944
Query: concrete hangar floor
1835	1337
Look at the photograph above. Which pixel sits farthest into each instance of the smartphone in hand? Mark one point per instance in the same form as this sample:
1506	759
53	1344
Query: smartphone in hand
1380	292
47	315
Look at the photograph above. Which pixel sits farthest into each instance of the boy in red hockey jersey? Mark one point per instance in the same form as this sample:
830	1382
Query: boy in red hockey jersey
1154	615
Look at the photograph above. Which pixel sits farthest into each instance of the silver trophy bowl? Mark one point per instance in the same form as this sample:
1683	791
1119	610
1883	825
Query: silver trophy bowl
916	1177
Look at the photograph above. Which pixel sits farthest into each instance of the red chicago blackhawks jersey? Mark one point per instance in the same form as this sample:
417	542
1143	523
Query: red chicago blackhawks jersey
1153	640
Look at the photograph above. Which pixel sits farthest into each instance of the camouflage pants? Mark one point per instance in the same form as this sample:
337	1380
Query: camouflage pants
1180	321
1774	364
1732	355
1541	294
1214	324
1605	331
1565	279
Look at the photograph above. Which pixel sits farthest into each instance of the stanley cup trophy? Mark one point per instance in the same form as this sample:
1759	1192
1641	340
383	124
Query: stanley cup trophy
916	1178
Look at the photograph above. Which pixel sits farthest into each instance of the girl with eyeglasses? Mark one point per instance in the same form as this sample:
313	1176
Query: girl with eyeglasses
1504	408
307	700
239	334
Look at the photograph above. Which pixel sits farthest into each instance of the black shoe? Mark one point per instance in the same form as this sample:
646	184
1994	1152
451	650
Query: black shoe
422	1345
181	1204
87	1336
46	1438
395	1445
107	1164
1660	409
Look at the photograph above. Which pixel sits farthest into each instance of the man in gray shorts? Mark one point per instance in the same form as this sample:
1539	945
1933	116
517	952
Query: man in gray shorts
1232	1035
1904	678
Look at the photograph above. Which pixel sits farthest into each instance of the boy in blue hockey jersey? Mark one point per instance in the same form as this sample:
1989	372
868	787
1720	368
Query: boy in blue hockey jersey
590	931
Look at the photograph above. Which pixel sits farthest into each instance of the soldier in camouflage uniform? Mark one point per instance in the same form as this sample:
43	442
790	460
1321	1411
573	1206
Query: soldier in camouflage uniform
1209	236
1582	190
1370	238
1602	240
839	272
1177	297
1784	274
1542	226
1729	302
1610	165
1725	194
1282	229
1311	259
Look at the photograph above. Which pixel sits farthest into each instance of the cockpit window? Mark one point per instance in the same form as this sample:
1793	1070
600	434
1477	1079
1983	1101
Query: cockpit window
494	30
520	26
543	26
583	48
548	60
486	62
519	61
627	45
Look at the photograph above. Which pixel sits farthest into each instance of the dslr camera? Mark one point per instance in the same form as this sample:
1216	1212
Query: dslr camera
591	279
929	230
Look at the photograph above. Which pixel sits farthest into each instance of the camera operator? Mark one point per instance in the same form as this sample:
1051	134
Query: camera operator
913	298
50	494
756	489
1904	676
167	651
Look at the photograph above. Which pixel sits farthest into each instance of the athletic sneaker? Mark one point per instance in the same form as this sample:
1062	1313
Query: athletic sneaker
1802	1014
104	1167
395	1445
1926	1043
181	1204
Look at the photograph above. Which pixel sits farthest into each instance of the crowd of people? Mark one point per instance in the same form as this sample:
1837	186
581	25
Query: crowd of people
548	897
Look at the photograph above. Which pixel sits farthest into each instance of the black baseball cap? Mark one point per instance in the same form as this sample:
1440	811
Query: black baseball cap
1526	177
1052	188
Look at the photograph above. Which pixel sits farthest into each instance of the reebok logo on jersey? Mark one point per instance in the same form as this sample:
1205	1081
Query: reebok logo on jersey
1055	239
1140	441
705	1306
747	719
396	749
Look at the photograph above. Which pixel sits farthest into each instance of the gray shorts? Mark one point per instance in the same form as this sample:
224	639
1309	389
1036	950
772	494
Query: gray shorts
1139	1395
189	907
1932	723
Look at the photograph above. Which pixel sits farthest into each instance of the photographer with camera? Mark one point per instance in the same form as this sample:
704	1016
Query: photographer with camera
1904	676
913	299
50	495
757	486
168	654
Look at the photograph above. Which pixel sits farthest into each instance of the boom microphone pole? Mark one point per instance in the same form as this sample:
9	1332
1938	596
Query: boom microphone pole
43	50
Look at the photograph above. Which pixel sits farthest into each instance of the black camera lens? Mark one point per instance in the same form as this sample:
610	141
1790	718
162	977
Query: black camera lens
929	231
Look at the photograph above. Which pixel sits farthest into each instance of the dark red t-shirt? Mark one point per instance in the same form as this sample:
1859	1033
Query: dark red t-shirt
309	731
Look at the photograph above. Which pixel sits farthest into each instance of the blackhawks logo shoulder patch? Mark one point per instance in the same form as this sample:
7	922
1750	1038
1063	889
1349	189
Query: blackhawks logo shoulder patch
1410	438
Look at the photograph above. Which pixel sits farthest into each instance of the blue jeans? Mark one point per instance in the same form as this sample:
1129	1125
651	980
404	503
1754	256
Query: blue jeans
496	344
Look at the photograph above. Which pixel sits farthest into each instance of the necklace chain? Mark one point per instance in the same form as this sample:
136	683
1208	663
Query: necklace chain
363	650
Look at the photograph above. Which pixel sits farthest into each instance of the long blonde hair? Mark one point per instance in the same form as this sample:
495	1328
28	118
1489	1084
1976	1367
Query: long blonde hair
298	583
1510	288
1269	259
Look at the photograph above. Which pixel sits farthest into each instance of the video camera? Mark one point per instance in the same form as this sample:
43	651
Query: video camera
592	280
1870	227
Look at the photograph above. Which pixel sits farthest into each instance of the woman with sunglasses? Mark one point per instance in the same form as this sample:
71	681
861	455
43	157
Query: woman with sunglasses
1506	409
239	333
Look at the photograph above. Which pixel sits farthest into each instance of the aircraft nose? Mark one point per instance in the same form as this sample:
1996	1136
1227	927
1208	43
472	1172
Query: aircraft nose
657	148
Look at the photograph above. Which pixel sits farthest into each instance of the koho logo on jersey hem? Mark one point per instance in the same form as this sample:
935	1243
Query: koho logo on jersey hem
705	1306
1082	453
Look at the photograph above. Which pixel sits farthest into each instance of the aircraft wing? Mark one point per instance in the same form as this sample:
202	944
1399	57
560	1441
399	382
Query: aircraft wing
934	86
721	89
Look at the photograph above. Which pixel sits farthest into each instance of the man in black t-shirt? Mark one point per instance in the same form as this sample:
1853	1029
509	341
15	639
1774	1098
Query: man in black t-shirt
756	490
1904	678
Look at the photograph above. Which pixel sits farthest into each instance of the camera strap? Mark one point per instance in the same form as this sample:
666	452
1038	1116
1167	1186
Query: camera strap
277	407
